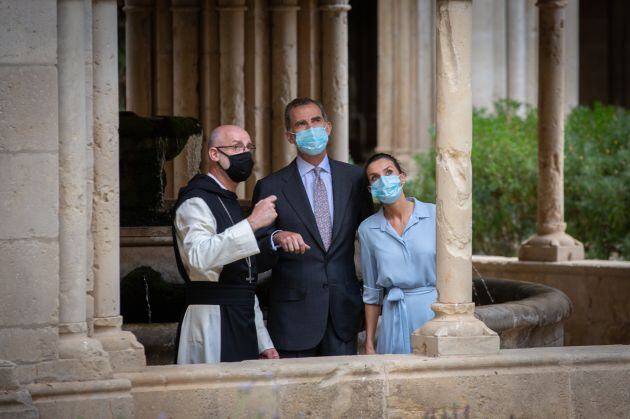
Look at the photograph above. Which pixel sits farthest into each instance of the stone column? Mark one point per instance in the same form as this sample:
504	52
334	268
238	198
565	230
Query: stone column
232	65
257	111
163	76
454	330
516	51
126	354
89	161
232	61
209	79
551	243
138	16
283	76
532	53
500	45
73	223
572	55
335	96
425	97
309	68
185	81
403	111
483	57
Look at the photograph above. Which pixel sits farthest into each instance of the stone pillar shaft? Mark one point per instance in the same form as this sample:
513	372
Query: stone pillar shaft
72	171
125	352
283	76
106	219
454	330
232	65
335	74
516	50
138	54
257	114
551	242
551	123
453	146
185	80
232	61
163	76
309	68
425	100
210	92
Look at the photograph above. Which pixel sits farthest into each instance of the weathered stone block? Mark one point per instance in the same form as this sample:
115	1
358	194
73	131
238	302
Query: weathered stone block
28	108
490	393
30	282
28	345
28	31
30	191
106	399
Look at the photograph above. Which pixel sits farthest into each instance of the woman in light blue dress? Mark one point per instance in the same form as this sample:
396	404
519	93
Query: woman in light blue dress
397	260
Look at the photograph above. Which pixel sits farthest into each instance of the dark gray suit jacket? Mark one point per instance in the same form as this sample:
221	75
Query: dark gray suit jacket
306	288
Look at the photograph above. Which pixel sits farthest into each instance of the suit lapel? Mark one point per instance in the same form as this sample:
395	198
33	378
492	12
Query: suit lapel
342	189
295	194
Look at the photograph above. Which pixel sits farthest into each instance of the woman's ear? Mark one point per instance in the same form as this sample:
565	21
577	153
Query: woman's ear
403	178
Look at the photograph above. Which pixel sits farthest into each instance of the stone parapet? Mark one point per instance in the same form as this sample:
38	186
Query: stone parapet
511	383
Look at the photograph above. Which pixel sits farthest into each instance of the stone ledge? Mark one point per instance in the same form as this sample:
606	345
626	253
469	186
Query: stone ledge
511	383
360	365
599	267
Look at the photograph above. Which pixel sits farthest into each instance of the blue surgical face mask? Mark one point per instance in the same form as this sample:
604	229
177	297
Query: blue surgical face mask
312	141
387	189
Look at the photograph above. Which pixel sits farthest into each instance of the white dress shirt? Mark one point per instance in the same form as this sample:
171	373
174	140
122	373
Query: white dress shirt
204	253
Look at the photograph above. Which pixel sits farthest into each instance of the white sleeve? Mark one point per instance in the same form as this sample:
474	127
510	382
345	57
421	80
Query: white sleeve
264	340
203	248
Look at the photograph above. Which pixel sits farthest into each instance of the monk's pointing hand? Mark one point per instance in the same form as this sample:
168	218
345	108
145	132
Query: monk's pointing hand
264	213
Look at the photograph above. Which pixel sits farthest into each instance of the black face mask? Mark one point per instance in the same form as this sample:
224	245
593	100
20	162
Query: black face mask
241	166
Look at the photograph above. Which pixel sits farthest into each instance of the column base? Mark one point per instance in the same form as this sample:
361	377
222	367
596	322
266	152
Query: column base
454	331
80	358
14	402
556	247
126	354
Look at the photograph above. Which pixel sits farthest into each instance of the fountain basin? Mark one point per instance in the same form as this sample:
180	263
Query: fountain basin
524	314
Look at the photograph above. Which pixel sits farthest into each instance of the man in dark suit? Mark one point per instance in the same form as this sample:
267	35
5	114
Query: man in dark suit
315	305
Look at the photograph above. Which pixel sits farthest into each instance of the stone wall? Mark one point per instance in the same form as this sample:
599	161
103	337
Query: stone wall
29	185
599	290
542	382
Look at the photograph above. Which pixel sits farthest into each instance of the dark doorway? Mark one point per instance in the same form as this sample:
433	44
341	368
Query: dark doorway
362	57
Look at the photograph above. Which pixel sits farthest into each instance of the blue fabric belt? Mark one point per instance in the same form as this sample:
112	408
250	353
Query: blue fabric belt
396	319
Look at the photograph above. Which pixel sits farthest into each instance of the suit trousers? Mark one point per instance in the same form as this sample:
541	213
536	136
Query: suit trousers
330	345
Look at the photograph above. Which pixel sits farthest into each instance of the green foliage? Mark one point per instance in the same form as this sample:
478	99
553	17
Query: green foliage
597	179
505	175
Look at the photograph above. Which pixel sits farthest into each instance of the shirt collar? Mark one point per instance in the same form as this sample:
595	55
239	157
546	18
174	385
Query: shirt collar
419	211
217	181
304	167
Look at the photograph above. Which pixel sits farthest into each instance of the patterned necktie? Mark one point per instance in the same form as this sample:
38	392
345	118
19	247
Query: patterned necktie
322	210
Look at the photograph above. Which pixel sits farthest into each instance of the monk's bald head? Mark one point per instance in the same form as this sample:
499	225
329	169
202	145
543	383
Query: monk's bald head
228	135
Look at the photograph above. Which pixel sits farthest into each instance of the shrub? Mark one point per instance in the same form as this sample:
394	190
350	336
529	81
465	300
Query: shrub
597	179
505	175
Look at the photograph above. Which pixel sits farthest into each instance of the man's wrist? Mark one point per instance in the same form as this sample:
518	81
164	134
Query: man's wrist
252	223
